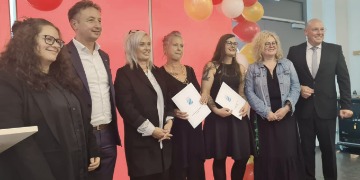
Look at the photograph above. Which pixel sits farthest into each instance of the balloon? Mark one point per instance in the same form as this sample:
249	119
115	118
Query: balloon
254	12
241	59
232	8
246	31
248	3
249	172
198	9
248	52
240	19
47	5
215	2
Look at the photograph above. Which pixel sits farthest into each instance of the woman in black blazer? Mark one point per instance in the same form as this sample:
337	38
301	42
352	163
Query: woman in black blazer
140	94
37	88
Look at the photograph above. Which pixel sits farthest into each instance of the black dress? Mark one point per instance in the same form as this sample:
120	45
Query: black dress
279	148
227	136
188	143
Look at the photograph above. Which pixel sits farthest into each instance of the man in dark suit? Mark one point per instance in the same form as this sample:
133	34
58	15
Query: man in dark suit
317	64
93	67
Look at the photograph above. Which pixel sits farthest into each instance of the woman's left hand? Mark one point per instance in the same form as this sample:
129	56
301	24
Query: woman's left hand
244	110
280	113
94	163
167	129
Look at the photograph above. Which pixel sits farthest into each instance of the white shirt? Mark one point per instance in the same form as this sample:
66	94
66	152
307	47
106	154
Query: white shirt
98	82
309	53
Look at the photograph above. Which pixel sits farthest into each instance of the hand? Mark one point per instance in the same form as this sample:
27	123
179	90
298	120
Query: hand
167	130
345	113
204	98
223	112
271	116
306	92
244	110
94	163
281	113
158	133
181	115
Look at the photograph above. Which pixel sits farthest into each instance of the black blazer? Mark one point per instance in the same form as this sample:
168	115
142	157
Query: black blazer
324	100
40	156
86	92
136	100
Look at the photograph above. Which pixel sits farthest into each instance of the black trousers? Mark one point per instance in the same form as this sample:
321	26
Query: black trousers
324	130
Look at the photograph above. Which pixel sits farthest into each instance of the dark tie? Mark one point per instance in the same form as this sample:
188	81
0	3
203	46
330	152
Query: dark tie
314	64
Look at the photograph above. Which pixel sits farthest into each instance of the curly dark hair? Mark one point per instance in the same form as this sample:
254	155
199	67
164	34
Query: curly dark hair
20	58
83	4
220	52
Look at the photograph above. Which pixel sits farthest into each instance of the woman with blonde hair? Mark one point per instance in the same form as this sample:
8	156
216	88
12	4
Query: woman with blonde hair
272	88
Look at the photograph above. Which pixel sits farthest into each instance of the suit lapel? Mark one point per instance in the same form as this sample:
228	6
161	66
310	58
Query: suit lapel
43	102
322	58
75	57
141	75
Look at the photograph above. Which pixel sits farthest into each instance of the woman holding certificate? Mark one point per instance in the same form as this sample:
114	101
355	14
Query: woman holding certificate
272	88
226	135
38	87
140	93
188	143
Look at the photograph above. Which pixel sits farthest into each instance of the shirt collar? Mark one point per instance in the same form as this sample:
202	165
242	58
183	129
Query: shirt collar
309	46
81	47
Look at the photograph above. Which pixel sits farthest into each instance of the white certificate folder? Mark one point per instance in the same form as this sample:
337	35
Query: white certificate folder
228	98
188	100
11	136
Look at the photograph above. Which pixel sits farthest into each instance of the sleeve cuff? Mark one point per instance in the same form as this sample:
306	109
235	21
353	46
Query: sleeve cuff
146	128
169	118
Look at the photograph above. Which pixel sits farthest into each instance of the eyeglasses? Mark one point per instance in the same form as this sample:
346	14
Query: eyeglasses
133	31
315	30
231	43
50	40
268	44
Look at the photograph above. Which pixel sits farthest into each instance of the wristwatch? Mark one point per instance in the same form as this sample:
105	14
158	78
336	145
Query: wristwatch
288	103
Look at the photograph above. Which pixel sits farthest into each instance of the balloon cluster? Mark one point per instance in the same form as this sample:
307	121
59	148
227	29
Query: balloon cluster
42	5
245	12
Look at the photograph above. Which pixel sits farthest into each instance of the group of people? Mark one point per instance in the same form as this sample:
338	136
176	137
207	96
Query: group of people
67	91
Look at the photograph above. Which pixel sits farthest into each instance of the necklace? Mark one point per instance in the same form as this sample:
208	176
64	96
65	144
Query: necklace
182	71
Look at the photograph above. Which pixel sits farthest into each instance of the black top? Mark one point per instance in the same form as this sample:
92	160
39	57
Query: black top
275	94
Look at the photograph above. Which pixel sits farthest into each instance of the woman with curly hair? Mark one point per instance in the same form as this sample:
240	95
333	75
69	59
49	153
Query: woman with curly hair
38	88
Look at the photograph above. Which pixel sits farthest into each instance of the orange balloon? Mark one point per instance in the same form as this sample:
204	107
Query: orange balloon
247	51
253	13
198	9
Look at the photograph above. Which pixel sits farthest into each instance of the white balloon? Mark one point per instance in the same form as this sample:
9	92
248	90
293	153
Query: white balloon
232	8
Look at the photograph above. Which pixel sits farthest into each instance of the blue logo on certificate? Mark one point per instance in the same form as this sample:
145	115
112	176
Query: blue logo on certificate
228	98
189	100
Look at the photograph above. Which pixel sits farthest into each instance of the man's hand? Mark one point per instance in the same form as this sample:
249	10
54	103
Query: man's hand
94	163
345	113
306	92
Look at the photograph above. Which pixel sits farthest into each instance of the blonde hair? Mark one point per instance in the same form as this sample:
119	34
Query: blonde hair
131	44
259	45
166	40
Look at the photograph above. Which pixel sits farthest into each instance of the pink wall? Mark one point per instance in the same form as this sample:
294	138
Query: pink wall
119	17
4	23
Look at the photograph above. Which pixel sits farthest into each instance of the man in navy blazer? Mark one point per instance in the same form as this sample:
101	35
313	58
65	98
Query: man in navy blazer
93	67
317	64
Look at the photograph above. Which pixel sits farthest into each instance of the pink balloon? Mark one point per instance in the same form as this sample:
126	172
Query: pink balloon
246	31
248	3
215	2
45	5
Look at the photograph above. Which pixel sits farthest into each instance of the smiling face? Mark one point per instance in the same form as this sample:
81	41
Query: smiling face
175	48
87	25
45	50
315	32
143	49
230	47
270	47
